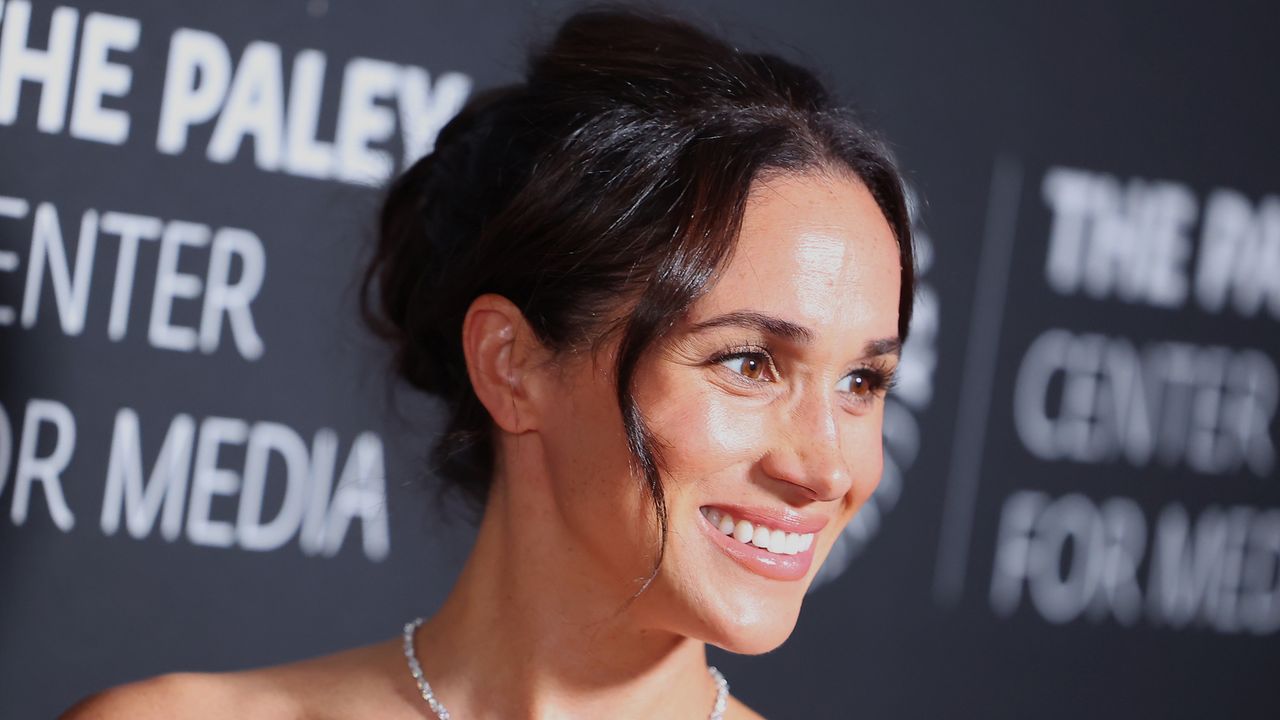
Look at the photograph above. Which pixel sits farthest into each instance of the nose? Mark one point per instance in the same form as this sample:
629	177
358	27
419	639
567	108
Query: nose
808	452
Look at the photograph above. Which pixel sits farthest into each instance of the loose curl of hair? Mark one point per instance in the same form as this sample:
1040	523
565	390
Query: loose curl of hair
610	184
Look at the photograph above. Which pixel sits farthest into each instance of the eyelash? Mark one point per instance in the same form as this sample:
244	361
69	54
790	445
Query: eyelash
881	381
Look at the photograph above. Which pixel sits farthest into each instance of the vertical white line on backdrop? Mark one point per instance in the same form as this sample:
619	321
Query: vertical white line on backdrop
981	355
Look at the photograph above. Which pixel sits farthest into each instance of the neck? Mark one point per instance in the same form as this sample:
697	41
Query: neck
532	630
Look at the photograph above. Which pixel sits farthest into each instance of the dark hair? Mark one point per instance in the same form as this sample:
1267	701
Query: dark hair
599	196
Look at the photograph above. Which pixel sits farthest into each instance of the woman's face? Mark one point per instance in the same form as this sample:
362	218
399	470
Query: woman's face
767	402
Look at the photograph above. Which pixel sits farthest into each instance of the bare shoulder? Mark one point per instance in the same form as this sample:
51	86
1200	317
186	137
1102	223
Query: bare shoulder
358	682
738	711
180	696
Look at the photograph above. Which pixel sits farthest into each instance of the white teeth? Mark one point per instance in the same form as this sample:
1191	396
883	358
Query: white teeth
726	525
761	537
778	542
772	539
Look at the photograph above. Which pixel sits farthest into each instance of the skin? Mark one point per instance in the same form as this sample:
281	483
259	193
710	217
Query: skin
541	623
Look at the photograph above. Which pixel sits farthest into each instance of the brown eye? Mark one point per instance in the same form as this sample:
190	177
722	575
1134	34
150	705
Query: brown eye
753	366
859	383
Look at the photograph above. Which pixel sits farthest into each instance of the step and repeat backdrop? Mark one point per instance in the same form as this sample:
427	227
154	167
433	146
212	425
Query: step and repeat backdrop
204	465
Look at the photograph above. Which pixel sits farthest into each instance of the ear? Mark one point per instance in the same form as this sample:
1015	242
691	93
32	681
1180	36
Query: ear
502	355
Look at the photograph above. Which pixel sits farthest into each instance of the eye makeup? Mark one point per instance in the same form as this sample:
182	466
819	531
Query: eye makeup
871	380
756	362
751	364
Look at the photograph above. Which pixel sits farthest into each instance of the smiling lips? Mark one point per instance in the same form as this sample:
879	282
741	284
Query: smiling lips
774	540
777	547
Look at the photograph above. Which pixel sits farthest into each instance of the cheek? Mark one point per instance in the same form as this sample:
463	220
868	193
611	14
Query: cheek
589	471
863	445
705	433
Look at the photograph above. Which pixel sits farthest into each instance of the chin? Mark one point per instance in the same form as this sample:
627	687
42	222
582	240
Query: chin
744	597
757	635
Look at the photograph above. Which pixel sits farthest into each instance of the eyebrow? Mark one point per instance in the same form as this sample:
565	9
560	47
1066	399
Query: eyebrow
787	330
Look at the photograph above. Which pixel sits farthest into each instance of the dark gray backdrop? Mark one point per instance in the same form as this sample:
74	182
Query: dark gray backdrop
1080	516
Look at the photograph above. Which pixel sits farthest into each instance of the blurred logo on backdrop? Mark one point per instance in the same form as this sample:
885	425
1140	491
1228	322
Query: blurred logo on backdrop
1129	471
176	293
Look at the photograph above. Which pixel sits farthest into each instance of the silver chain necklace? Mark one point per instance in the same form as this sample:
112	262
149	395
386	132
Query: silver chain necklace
437	707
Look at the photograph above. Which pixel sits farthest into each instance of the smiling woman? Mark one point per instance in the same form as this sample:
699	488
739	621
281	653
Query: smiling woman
662	286
769	404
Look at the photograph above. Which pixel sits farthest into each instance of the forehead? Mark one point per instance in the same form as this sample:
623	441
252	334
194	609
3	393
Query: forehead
814	249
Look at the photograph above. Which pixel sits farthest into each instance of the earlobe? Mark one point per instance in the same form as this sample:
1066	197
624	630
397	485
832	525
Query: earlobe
499	347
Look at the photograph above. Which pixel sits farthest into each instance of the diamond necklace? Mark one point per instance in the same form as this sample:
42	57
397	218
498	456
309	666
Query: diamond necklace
437	707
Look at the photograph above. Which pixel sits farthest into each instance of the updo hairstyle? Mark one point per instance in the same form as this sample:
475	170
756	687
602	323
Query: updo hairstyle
600	196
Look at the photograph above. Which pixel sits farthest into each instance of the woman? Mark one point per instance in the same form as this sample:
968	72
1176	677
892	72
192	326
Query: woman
662	286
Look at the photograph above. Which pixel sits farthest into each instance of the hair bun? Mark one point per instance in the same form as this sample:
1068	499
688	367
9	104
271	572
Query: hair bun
432	213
